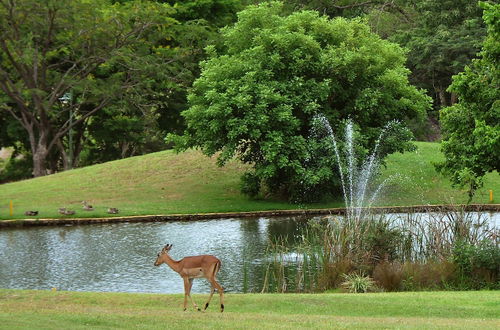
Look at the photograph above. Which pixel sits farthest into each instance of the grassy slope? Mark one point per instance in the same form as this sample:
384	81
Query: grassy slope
166	183
417	182
73	310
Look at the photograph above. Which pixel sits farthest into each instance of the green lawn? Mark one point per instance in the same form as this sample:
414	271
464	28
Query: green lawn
169	183
21	309
417	182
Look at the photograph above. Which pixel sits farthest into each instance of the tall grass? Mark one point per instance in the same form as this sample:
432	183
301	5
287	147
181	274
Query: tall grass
438	250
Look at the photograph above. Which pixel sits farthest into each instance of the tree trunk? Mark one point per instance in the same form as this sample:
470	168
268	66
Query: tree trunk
442	97
40	152
66	160
454	98
39	161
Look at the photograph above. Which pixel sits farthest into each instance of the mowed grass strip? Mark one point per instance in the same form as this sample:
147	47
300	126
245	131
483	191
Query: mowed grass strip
189	182
49	310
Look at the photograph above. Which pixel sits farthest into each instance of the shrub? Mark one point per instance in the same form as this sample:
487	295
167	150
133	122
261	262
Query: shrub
331	275
16	169
382	241
427	275
357	282
389	275
250	184
478	265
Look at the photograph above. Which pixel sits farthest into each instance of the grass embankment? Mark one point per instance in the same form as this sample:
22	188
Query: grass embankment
169	183
73	310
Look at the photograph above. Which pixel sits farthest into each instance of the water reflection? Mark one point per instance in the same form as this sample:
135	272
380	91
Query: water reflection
119	257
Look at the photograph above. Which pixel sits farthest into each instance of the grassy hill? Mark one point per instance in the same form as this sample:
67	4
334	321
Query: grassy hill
168	183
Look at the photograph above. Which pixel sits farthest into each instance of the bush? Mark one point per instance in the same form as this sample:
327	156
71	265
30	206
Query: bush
357	283
250	184
382	241
478	265
442	251
17	169
331	276
428	275
389	276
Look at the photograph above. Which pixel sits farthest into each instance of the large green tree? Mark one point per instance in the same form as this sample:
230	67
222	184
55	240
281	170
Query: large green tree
471	128
258	94
444	37
91	52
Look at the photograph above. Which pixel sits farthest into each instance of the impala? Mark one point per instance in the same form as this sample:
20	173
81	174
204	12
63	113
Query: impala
190	268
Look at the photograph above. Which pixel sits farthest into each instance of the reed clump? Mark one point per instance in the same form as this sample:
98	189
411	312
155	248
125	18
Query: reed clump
445	250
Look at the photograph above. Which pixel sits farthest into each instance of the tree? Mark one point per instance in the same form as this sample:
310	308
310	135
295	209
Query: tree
351	8
199	24
257	96
471	128
446	36
94	51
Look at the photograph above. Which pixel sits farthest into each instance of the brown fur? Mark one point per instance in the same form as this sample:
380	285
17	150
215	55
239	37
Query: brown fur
206	266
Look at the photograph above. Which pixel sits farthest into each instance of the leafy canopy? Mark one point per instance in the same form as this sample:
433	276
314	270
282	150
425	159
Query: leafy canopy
98	52
471	128
257	95
446	36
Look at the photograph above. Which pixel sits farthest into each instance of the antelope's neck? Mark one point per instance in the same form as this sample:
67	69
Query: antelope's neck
174	264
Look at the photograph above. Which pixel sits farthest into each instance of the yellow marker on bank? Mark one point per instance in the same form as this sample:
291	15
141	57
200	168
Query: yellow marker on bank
11	208
491	196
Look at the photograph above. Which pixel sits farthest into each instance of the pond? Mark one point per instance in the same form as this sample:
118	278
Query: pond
119	257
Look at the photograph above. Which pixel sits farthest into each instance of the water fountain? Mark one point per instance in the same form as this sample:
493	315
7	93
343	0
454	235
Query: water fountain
357	181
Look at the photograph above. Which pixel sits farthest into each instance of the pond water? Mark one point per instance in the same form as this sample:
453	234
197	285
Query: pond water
119	257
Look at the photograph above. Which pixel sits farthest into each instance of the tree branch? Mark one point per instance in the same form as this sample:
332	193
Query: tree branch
353	5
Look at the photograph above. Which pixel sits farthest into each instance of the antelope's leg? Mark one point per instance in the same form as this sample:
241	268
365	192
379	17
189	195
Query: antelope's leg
210	297
186	291
190	285
221	293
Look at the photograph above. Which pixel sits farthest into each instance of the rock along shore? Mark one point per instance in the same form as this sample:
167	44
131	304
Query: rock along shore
253	214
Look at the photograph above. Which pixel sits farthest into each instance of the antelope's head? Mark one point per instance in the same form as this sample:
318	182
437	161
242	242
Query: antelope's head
161	258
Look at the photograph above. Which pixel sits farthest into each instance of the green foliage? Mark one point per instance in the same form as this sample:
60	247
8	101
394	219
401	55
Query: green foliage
218	13
443	250
478	265
250	184
348	8
383	242
357	283
471	128
16	169
257	95
444	37
99	53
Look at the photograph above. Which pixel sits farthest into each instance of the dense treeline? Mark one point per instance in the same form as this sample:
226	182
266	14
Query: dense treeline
84	82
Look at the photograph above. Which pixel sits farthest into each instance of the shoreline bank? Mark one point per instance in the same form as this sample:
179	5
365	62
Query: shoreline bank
253	214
